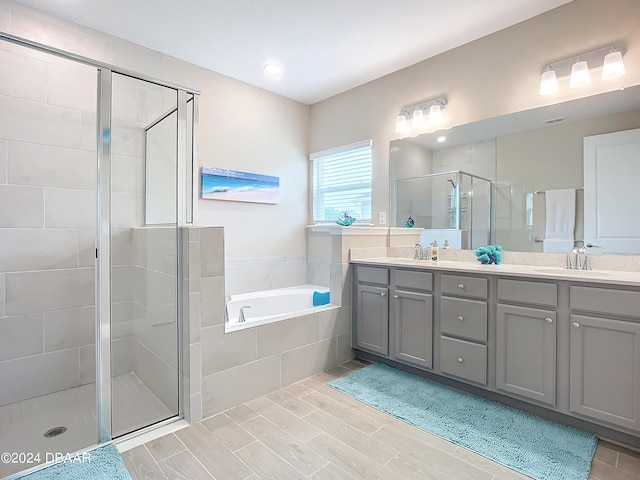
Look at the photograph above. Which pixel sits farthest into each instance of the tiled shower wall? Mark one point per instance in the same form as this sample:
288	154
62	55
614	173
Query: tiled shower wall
47	220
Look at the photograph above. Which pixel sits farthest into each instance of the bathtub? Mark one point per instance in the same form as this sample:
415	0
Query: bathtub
273	305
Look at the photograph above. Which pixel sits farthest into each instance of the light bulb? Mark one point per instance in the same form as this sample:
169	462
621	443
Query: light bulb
272	69
548	82
580	76
435	114
613	65
401	123
417	119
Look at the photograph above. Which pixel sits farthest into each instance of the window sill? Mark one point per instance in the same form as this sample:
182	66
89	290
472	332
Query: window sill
355	229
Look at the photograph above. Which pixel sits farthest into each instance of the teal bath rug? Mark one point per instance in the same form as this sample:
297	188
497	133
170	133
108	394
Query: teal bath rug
541	449
104	463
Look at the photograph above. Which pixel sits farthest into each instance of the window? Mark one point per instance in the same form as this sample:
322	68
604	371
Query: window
342	183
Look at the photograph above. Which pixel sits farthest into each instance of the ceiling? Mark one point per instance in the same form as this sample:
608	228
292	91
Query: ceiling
324	46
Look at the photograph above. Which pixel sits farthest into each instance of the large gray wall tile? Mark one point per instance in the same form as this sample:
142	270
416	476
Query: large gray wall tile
127	174
335	322
308	360
46	166
127	138
162	340
55	126
212	301
288	273
345	352
28	206
72	85
284	335
20	336
69	328
232	387
121	360
28	249
161	379
247	278
221	351
3	161
67	208
32	292
192	323
2	294
38	375
30	84
212	251
127	210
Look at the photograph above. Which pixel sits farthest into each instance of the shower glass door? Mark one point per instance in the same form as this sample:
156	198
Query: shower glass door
47	257
144	246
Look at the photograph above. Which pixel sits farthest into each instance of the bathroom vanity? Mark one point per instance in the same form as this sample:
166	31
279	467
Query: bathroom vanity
560	343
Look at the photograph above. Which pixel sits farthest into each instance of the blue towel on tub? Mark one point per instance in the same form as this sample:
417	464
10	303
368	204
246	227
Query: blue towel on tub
321	298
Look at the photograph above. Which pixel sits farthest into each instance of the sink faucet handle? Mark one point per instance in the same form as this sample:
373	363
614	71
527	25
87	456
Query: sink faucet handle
586	264
567	262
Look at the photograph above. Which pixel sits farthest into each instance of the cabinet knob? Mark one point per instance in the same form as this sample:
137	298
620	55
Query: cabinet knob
548	320
575	325
460	360
382	294
460	285
460	318
396	296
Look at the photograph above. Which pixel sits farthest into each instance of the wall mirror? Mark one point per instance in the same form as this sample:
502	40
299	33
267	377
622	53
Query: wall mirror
523	154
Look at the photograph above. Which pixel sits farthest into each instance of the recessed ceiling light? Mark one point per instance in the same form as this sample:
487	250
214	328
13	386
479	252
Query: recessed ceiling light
272	68
441	138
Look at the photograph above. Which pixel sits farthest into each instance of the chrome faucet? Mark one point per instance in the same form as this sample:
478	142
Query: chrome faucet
577	259
419	253
241	318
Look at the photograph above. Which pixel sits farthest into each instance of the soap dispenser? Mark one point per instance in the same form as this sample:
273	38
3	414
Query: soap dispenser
446	244
434	250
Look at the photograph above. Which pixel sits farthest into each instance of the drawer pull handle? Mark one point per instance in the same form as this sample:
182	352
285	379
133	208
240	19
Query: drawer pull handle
460	360
461	318
575	325
460	285
396	296
548	320
382	294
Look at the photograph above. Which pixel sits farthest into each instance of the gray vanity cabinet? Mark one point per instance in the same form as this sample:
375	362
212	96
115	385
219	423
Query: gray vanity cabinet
372	310
526	339
526	352
412	310
605	356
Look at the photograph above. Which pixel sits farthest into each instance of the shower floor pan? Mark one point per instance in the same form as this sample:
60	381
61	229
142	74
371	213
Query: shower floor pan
23	424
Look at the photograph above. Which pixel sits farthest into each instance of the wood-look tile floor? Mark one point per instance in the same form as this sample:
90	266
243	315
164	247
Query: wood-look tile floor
309	431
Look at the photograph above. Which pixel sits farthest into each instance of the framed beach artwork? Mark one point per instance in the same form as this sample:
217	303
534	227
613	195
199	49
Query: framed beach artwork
223	184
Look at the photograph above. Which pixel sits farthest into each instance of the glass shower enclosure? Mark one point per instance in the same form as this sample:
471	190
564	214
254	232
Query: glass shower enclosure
455	204
94	175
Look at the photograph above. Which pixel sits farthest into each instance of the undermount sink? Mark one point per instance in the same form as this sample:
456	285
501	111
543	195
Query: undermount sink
567	271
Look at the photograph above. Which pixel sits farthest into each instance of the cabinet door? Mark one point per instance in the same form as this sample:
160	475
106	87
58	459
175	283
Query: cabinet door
372	320
526	352
605	370
413	327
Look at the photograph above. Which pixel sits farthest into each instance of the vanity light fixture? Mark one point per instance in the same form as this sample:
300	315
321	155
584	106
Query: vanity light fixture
580	76
417	112
609	59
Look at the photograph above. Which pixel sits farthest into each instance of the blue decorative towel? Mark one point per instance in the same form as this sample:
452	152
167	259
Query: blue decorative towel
321	298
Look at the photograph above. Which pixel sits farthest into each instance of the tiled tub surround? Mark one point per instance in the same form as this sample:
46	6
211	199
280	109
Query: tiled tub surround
225	369
255	274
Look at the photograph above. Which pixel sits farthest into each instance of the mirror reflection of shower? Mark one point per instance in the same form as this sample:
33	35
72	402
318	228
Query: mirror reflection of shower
455	206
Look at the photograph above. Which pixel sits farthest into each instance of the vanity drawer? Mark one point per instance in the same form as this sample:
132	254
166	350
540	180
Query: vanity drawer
413	280
605	300
463	359
464	286
373	275
464	318
537	293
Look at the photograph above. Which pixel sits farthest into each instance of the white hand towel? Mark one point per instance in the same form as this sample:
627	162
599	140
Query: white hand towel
560	220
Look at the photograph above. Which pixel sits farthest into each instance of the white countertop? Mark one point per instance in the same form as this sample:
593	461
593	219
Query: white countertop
610	277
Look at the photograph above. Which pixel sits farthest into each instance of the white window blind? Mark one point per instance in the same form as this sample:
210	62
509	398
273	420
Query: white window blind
342	183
